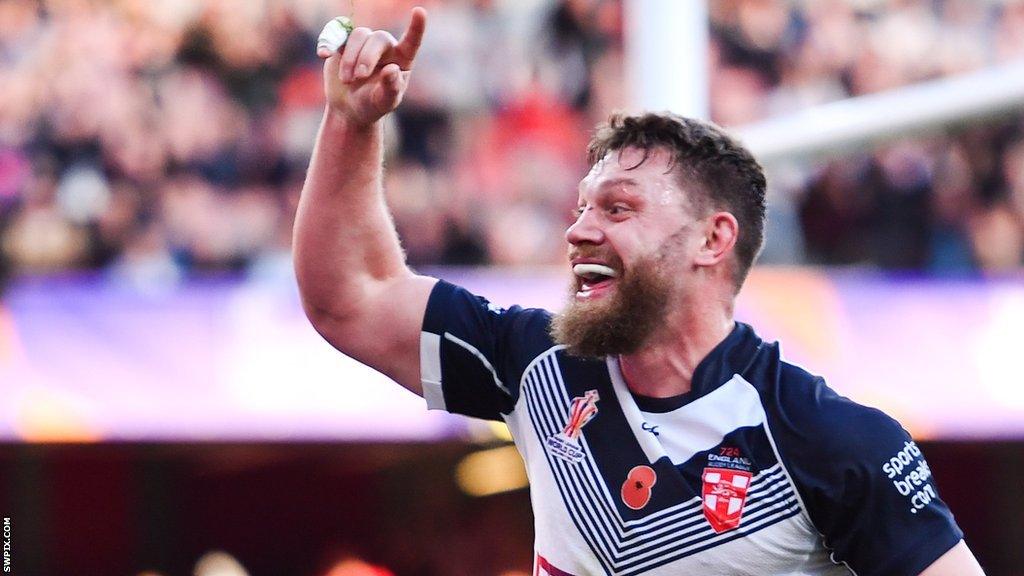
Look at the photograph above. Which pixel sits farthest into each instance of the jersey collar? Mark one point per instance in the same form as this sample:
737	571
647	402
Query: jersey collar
733	355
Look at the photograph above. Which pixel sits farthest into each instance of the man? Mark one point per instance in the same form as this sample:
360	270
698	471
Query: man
660	436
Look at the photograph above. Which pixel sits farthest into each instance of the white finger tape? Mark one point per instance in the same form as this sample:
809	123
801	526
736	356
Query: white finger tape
334	34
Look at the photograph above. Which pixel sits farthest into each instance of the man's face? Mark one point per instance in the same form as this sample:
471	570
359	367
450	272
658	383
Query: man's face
630	250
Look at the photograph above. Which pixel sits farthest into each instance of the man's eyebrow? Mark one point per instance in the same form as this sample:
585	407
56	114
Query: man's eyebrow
620	181
623	181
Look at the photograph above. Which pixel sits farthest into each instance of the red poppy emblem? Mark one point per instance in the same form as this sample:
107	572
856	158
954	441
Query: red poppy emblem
724	493
636	490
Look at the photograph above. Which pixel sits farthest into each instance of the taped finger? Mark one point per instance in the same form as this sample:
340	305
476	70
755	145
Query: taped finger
334	35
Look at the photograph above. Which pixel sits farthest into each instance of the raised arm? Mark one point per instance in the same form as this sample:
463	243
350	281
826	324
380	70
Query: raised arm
356	289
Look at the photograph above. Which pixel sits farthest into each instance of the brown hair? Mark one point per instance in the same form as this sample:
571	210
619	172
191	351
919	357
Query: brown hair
725	173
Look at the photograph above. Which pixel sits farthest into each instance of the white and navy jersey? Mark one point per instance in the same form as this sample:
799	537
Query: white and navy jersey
761	469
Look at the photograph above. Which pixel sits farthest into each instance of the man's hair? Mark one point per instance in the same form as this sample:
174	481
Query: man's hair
724	173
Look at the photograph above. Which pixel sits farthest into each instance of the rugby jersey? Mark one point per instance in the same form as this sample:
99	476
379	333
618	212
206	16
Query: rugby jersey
761	469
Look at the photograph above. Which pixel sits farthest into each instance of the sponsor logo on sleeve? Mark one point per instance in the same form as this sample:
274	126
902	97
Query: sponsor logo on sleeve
566	444
911	476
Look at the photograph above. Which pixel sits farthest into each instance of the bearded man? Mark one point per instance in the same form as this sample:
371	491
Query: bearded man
660	435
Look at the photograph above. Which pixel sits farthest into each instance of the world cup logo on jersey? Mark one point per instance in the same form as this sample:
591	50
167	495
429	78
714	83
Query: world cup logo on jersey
566	444
724	492
583	409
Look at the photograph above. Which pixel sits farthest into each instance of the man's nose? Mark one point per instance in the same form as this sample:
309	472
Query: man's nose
585	229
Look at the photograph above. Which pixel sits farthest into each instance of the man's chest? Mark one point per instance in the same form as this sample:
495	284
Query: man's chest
638	492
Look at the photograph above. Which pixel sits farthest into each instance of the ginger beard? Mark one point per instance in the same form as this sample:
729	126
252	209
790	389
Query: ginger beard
621	322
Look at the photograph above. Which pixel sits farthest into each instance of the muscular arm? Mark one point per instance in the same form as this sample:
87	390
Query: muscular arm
356	289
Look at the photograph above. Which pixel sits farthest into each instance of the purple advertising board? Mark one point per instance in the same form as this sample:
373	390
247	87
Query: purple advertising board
90	360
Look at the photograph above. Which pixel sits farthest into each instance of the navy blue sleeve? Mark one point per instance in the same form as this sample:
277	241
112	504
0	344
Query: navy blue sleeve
864	482
473	353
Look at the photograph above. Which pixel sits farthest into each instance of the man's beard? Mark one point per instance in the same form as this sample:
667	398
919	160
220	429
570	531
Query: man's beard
618	324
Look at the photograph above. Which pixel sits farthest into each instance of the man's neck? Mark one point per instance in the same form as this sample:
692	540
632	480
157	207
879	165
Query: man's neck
664	366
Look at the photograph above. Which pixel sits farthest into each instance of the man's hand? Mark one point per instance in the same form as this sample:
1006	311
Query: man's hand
367	77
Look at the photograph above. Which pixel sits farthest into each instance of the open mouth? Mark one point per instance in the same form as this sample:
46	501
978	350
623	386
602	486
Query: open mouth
593	277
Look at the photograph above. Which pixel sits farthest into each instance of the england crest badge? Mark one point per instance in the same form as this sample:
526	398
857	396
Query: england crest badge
724	493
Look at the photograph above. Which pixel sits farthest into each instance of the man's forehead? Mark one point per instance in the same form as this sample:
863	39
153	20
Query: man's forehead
629	167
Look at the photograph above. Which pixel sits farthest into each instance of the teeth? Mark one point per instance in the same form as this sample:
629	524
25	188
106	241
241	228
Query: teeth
585	269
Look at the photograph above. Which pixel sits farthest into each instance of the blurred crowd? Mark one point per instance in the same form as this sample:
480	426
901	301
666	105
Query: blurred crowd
154	140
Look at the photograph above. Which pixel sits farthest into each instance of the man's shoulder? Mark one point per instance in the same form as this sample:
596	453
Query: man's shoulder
450	303
534	322
801	405
477	351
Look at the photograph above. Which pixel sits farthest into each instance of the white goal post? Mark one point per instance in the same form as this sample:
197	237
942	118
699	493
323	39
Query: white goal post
666	49
874	118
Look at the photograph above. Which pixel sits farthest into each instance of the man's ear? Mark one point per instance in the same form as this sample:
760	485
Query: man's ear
720	234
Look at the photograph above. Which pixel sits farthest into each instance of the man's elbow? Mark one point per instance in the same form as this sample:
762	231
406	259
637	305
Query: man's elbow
330	297
341	312
335	324
317	314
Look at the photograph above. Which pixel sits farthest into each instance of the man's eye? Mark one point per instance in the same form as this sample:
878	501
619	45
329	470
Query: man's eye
617	209
577	212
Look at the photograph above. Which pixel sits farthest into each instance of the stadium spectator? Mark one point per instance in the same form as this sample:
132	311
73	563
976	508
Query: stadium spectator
174	136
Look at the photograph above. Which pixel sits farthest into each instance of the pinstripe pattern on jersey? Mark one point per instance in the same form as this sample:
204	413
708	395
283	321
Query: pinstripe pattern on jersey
628	547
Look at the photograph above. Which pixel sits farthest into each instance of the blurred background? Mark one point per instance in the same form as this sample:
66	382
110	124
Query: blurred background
165	409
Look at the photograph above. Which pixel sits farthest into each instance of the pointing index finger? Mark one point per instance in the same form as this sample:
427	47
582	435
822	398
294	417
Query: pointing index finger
410	42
